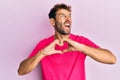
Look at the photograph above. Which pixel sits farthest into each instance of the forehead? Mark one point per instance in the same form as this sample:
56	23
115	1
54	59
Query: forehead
64	11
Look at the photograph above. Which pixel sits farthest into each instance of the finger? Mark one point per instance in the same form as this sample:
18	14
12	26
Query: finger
54	42
58	42
65	50
65	39
58	51
61	43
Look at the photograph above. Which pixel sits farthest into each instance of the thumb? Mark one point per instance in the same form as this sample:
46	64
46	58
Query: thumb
58	51
61	43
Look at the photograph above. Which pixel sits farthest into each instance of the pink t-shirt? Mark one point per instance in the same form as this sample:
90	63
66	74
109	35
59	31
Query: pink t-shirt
67	66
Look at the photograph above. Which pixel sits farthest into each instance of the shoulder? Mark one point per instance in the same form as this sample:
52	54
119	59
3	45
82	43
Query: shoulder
78	37
83	40
46	41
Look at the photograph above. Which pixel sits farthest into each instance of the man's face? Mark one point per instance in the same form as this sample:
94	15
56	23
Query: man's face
63	21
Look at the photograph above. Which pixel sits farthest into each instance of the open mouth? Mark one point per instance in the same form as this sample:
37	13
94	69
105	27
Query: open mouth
67	25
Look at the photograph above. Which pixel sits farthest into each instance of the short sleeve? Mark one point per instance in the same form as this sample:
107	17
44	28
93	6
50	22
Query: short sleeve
87	42
38	47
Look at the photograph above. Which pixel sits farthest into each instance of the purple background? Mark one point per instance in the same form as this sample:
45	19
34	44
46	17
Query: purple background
24	22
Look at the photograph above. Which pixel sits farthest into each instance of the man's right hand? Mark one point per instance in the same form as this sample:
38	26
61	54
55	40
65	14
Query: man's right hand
50	49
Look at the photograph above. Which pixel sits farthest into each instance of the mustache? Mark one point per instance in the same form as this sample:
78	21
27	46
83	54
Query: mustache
67	21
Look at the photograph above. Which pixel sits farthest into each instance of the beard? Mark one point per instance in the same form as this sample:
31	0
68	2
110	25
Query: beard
60	28
61	31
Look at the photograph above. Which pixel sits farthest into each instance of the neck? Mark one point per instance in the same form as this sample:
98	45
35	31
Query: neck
60	36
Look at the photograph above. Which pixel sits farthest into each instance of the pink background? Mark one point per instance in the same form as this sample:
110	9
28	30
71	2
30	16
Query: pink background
24	22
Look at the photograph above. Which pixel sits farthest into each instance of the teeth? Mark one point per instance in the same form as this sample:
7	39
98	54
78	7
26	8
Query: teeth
67	24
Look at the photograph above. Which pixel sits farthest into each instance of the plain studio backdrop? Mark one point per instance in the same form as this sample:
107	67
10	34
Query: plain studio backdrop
24	22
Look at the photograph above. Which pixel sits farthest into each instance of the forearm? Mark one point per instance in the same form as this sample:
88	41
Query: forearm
29	64
98	54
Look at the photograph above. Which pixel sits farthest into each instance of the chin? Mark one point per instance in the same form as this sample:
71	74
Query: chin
65	33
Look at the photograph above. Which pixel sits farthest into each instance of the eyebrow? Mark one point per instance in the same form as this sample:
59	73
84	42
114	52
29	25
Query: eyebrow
63	13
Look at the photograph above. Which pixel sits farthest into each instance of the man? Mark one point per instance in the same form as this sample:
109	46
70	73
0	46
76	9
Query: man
62	55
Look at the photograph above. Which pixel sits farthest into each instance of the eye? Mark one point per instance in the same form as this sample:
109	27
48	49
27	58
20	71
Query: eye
62	15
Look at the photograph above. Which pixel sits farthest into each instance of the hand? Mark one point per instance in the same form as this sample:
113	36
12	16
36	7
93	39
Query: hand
72	45
50	49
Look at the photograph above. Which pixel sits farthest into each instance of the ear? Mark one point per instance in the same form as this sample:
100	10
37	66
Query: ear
52	21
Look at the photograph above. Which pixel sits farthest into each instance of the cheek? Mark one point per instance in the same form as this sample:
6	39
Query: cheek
59	22
62	20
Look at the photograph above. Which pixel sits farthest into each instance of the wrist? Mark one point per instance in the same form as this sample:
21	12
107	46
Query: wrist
81	49
41	54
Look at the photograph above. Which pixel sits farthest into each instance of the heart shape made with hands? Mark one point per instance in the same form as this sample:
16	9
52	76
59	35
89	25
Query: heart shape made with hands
64	47
61	47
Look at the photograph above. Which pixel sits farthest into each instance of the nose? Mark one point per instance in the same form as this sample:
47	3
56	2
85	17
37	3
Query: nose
68	18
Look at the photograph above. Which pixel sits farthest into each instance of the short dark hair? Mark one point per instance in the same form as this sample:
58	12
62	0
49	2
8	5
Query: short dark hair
57	7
